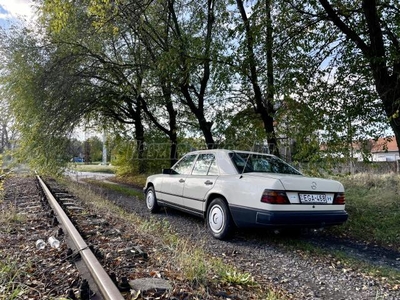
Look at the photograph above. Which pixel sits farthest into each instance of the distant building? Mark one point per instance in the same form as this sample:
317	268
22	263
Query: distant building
383	149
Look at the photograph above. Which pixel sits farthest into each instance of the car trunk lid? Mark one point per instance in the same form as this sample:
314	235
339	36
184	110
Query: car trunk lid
303	183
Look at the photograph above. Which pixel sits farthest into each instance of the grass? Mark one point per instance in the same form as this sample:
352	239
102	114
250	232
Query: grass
96	168
125	190
136	180
10	273
10	269
231	275
373	204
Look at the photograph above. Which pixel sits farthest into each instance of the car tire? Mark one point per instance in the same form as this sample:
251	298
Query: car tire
151	200
219	220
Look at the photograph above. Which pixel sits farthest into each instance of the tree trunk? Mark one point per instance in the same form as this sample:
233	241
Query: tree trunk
389	92
264	107
171	131
139	136
173	155
204	125
188	89
374	47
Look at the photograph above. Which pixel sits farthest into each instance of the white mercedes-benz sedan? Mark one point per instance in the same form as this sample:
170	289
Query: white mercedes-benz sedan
246	189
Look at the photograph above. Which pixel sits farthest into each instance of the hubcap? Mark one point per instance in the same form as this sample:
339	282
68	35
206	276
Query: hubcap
150	200
216	218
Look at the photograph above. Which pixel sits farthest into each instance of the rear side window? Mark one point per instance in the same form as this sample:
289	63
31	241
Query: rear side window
213	168
241	163
205	165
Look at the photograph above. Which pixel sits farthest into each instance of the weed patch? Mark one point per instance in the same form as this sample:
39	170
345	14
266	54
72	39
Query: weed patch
10	278
98	168
125	190
373	205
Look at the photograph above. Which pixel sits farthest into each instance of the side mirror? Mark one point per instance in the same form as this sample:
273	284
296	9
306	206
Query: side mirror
169	171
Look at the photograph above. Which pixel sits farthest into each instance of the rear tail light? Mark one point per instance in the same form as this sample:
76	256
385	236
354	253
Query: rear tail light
274	197
339	199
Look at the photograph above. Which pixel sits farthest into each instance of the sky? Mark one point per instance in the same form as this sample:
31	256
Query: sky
11	10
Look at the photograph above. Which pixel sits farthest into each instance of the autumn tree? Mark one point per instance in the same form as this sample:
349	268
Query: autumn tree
342	60
256	63
6	123
198	49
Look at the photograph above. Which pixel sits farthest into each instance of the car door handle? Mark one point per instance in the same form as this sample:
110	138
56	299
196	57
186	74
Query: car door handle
208	182
181	180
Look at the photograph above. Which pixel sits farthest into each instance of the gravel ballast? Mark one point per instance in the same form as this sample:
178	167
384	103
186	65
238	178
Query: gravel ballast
270	259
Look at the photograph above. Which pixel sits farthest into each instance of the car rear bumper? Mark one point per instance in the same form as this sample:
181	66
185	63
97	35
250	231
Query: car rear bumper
253	218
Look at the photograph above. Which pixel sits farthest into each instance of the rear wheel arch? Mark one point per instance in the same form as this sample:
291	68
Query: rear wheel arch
210	199
218	217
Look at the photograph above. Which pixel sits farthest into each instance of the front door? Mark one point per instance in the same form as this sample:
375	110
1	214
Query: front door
172	186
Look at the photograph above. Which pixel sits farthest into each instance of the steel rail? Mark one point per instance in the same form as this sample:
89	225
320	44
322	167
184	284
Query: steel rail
104	283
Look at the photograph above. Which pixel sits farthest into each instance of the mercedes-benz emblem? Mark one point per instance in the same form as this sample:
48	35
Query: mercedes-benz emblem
313	185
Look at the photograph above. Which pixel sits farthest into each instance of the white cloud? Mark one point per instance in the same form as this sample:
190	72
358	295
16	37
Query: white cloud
16	9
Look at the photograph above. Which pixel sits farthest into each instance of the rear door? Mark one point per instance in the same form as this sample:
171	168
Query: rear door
204	175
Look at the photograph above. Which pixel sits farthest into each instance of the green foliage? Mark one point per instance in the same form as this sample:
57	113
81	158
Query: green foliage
43	153
10	273
156	153
373	204
94	168
181	70
245	131
125	190
328	75
123	157
230	275
96	149
193	263
42	128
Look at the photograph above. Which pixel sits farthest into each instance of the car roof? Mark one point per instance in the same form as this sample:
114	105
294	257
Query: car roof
225	151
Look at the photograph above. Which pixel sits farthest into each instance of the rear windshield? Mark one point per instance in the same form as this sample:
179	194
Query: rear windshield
255	162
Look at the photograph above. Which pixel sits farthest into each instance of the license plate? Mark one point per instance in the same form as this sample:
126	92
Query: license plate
312	198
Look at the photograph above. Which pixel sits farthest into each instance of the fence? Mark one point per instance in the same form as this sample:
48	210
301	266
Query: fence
383	167
157	156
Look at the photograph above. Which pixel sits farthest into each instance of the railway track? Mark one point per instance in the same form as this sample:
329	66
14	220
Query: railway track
97	255
104	284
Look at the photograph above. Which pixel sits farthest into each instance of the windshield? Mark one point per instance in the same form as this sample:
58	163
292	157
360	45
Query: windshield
256	162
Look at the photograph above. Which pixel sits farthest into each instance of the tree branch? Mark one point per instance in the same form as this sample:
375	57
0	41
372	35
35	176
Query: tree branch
351	34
